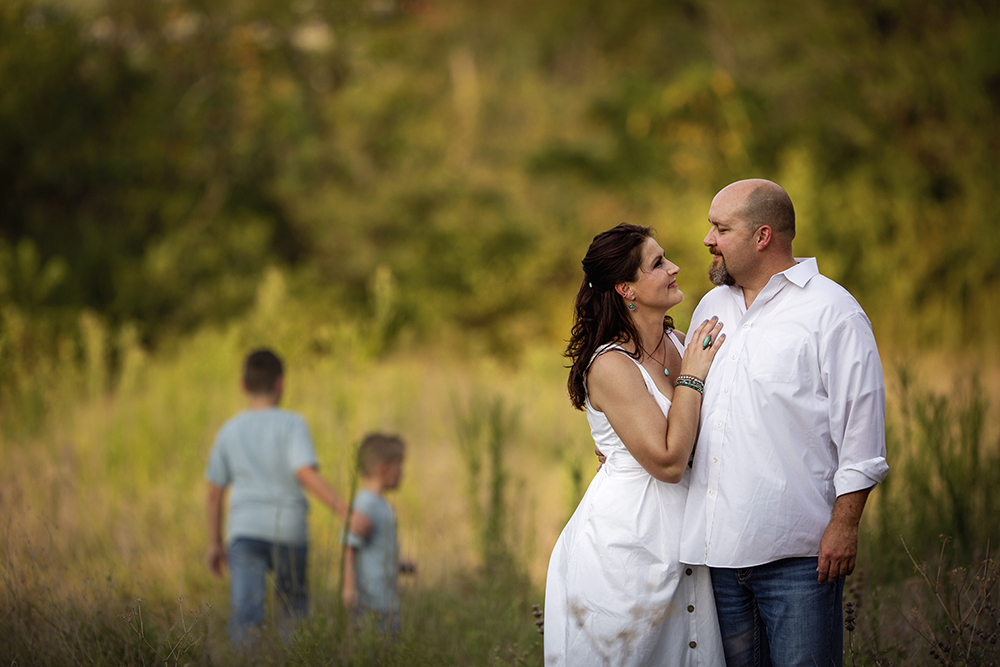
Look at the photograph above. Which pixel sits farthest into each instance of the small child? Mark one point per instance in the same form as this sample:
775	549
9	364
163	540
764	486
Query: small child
266	455
371	561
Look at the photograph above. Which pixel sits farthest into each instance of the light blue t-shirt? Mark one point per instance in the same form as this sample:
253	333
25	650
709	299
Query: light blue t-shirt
256	453
376	564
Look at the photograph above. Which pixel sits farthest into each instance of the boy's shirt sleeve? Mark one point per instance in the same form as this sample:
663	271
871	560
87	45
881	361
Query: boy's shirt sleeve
218	471
301	452
355	541
364	503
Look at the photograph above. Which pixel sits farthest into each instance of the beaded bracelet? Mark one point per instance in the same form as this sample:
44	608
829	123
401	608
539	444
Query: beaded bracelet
690	381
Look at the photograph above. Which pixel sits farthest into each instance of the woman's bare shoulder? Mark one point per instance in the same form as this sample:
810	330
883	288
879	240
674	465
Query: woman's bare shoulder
613	368
610	361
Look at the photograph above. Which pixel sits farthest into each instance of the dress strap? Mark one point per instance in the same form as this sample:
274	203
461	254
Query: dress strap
608	347
646	377
672	335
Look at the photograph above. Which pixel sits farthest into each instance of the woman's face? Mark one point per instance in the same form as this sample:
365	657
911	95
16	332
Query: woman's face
655	285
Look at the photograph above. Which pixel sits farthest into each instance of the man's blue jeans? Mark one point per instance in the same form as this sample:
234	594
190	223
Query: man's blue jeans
777	615
249	562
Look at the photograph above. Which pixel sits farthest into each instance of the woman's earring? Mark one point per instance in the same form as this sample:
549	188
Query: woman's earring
631	306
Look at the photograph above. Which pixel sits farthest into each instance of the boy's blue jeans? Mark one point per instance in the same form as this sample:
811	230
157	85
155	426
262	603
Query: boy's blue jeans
249	562
778	614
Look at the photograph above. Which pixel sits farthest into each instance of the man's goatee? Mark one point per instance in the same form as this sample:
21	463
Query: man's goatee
719	275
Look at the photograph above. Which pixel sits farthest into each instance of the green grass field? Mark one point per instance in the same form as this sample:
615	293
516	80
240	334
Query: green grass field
104	528
395	195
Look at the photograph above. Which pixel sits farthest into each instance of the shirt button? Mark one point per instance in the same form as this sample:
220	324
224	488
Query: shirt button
746	326
726	390
718	424
688	571
693	644
734	356
691	607
715	459
711	493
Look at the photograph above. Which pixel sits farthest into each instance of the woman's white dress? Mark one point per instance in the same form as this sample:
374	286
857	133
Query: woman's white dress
616	593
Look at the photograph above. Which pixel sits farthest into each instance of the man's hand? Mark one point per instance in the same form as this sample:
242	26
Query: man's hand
216	559
601	459
838	550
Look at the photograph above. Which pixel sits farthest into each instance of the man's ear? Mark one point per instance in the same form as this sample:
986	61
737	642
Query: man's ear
763	237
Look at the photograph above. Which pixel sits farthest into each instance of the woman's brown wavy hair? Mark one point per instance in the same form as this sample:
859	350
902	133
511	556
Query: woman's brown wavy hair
601	316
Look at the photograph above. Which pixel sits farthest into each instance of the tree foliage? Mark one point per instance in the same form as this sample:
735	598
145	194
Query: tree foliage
157	157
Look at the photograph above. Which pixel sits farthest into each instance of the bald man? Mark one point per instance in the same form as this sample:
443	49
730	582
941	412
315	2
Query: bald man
791	442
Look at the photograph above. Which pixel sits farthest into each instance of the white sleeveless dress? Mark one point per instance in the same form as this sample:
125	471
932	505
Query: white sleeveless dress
616	592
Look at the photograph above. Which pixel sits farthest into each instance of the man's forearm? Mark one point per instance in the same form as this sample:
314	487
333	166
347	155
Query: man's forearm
848	508
838	548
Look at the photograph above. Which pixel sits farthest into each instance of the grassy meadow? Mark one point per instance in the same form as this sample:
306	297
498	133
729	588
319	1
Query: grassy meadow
104	523
395	195
105	506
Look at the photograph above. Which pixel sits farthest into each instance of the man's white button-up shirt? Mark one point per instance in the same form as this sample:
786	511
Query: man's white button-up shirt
793	416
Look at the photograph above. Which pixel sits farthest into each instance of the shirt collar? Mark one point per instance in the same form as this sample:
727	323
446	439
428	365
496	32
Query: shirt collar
800	274
803	271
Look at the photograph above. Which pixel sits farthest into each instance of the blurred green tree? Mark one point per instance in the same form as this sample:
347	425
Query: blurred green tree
162	155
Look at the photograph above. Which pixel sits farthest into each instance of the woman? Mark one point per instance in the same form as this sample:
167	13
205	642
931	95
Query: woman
616	593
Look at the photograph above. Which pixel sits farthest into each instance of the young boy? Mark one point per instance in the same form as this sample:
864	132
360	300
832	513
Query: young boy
265	454
371	561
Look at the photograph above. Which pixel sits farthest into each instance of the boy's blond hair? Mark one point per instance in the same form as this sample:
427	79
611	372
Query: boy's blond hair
377	448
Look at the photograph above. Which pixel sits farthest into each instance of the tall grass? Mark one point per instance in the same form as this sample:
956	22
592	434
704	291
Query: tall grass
102	502
927	592
942	614
944	457
485	431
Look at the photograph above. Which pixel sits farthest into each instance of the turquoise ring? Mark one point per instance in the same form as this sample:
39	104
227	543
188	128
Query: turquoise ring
707	343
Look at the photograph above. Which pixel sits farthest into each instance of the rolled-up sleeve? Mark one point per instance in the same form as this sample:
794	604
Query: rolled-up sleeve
852	375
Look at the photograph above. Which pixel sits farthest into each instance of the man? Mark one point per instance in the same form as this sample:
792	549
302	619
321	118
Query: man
791	442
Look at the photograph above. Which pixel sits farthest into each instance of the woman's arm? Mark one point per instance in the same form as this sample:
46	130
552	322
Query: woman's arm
660	446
